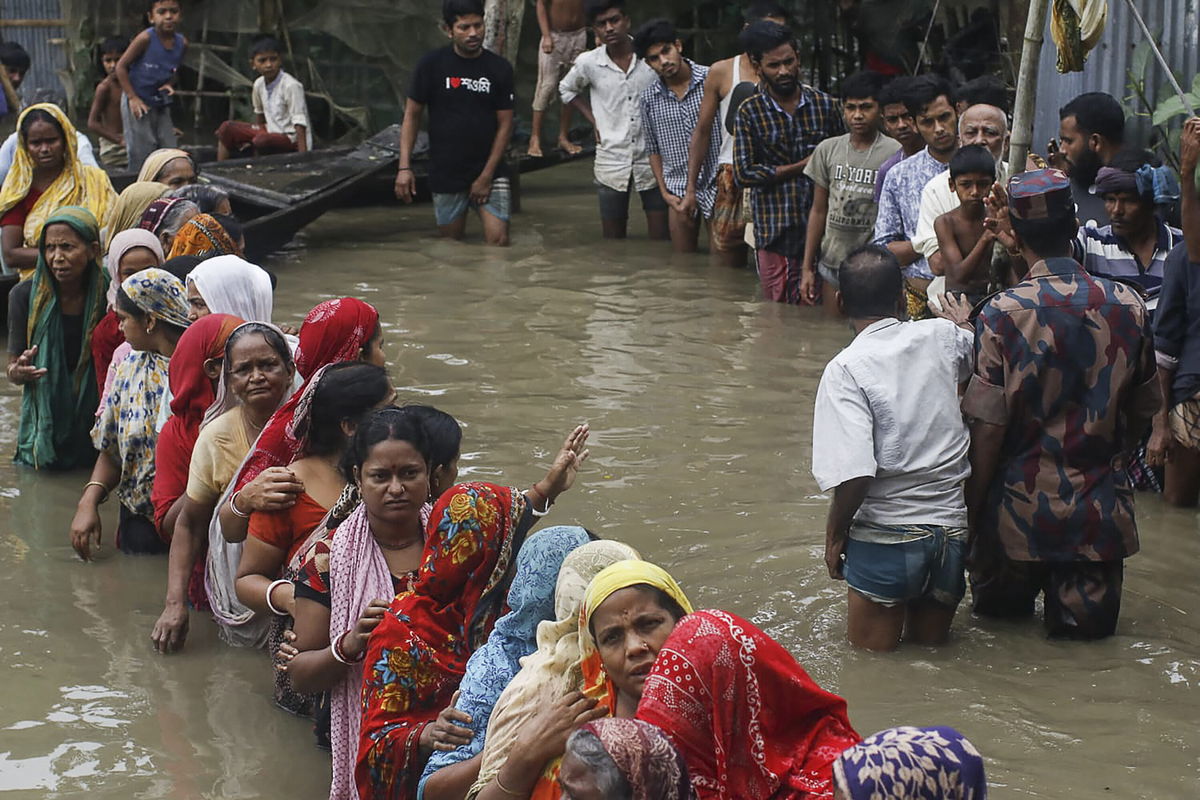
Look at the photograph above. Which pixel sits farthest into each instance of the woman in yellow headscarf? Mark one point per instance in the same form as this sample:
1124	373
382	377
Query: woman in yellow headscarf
171	167
127	211
628	612
46	176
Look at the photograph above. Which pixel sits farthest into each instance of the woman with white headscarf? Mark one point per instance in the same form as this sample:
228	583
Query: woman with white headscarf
230	285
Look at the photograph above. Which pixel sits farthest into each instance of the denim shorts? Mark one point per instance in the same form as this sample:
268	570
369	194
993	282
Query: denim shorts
615	205
894	565
449	207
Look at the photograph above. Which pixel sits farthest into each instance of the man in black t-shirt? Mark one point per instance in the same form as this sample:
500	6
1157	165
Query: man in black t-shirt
469	92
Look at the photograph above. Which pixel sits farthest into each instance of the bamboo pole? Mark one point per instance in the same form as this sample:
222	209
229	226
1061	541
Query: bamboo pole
1031	56
1137	16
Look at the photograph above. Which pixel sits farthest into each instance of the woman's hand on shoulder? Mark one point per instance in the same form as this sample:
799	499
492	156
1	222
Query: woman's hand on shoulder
273	489
565	468
21	369
447	732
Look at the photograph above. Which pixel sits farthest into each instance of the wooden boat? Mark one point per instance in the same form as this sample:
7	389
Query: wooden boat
276	196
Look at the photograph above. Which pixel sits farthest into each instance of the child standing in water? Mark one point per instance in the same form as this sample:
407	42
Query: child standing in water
104	119
965	244
146	71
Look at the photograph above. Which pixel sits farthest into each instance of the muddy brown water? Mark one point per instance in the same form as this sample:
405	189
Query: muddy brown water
700	399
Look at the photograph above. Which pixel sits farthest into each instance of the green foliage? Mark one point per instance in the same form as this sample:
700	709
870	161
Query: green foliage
1164	108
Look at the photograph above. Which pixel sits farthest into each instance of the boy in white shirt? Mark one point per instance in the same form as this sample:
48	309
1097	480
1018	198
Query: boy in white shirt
280	111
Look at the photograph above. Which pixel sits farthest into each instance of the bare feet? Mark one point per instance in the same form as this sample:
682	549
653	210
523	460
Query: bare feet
569	147
535	148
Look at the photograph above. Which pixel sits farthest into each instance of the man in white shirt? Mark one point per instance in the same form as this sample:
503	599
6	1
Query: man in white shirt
890	441
615	78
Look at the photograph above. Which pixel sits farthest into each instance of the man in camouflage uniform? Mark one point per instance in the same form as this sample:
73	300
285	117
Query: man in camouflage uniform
1064	385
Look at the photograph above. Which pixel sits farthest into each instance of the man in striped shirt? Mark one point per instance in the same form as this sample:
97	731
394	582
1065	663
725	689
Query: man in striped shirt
670	112
1135	245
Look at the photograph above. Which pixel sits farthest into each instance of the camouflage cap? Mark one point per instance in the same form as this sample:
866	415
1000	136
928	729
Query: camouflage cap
1040	194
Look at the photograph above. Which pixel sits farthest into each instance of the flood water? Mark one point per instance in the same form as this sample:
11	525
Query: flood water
700	399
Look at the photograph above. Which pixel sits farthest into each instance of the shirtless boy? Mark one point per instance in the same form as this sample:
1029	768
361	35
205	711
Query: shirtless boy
966	245
104	119
727	226
564	37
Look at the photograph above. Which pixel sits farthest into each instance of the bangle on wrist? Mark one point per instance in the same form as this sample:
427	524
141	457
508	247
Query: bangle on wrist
339	655
546	502
271	589
102	486
404	169
237	512
500	785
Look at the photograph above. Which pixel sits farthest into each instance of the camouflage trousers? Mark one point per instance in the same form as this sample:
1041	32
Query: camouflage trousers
1082	598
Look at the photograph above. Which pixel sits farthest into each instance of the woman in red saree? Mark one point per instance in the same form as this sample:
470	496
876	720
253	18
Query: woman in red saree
778	737
417	655
192	392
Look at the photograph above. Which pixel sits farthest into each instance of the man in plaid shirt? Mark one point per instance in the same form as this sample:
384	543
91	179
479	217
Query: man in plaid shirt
670	112
777	130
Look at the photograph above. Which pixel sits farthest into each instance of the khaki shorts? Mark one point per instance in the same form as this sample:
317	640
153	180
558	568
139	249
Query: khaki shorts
728	223
568	46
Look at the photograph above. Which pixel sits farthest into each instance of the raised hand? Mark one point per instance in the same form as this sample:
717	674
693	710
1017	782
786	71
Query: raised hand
565	468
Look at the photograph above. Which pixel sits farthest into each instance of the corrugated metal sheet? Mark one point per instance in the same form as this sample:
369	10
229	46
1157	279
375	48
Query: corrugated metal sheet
1178	26
46	44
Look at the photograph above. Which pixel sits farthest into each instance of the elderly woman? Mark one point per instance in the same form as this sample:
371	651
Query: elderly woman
166	216
628	611
747	718
50	323
911	764
46	176
255	378
623	759
171	167
153	315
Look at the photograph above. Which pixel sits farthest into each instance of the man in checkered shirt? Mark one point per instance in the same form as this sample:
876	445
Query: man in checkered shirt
777	130
670	112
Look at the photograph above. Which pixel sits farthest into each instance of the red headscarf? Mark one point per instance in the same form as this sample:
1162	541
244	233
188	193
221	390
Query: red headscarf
747	718
333	332
417	656
191	395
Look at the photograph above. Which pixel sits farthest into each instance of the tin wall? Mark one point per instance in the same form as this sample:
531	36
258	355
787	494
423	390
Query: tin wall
37	26
1177	25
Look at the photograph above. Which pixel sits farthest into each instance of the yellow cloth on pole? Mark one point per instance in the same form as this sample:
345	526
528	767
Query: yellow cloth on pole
1076	27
